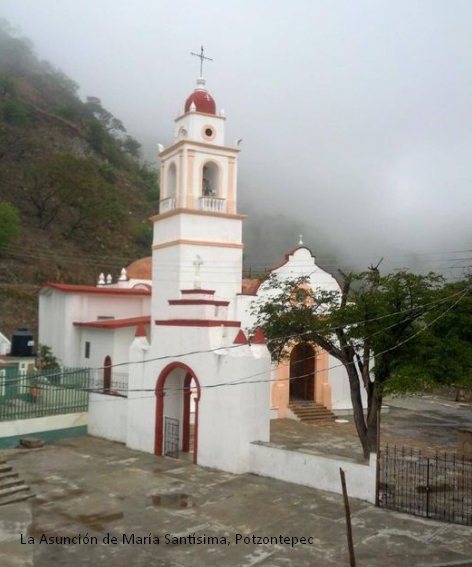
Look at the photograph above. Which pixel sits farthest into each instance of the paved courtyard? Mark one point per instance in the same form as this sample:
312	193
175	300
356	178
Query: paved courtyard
101	490
428	423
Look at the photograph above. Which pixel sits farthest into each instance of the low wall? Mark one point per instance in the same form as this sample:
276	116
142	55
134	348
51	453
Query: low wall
107	417
47	428
315	471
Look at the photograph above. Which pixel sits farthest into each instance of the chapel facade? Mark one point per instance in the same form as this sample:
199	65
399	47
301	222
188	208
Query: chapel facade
168	341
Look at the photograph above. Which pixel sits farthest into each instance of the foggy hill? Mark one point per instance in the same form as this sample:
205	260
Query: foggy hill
81	189
72	175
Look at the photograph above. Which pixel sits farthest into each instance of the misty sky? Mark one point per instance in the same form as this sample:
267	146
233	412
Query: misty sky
356	116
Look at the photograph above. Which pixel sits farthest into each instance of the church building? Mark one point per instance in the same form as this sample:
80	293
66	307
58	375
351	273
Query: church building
168	341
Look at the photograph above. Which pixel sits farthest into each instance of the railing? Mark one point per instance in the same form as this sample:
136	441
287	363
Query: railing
437	486
213	204
43	393
166	205
118	385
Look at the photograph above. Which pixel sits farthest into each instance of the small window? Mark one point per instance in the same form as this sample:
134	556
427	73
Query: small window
87	349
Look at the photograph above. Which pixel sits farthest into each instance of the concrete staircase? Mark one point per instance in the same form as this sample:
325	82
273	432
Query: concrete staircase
12	488
311	412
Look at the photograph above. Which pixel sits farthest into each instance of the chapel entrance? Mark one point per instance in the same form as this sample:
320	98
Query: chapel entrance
177	399
302	372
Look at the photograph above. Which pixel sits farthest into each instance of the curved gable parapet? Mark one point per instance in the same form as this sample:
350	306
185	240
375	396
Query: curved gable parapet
300	262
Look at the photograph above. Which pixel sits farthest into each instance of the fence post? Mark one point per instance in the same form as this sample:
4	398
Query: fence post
427	487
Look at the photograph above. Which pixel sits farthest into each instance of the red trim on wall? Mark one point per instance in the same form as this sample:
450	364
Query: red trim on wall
198	302
115	323
72	288
198	291
196	323
186	415
159	423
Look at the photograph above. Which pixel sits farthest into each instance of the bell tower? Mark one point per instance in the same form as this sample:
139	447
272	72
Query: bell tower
197	234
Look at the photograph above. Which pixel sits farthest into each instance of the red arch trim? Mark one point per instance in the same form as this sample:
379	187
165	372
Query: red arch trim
159	429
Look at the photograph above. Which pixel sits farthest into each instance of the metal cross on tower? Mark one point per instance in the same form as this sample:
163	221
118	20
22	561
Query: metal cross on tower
202	58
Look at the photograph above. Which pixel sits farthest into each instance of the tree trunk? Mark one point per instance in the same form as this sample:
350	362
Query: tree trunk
357	407
366	425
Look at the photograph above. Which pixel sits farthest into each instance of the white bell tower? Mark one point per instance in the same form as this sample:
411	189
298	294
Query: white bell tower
197	234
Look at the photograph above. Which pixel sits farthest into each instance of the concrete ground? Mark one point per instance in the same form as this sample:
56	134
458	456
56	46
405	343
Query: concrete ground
97	488
427	422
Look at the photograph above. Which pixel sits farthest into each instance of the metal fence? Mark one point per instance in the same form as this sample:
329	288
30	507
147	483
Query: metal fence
118	383
437	486
43	393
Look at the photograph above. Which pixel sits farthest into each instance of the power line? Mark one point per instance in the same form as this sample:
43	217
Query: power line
244	380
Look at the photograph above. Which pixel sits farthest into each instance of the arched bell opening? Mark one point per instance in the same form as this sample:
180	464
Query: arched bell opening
210	180
171	181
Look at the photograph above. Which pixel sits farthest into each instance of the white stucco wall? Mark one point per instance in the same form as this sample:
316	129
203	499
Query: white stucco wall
315	470
5	345
58	311
41	424
230	416
107	417
173	270
302	263
194	122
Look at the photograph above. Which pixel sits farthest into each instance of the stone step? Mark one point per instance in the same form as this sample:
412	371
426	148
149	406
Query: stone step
13	489
16	497
8	482
311	412
7	474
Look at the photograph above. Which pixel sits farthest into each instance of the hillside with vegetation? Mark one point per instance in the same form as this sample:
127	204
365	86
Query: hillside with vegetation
75	196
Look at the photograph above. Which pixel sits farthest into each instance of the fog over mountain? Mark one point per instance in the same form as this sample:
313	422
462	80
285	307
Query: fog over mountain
355	116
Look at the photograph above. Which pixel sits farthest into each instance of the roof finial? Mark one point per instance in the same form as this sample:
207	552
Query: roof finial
202	58
300	242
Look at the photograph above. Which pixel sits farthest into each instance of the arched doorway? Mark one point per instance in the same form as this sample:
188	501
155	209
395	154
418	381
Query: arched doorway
107	375
175	388
302	372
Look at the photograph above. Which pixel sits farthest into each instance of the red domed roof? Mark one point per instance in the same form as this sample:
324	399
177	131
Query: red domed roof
203	102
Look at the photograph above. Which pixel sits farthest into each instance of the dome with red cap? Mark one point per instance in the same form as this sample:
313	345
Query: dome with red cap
202	100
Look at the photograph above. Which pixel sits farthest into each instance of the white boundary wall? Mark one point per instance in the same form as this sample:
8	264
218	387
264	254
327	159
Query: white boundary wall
315	471
42	424
107	417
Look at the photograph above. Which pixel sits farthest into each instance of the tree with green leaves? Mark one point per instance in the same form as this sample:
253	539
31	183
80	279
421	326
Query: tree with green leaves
370	325
10	224
74	194
446	350
45	358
